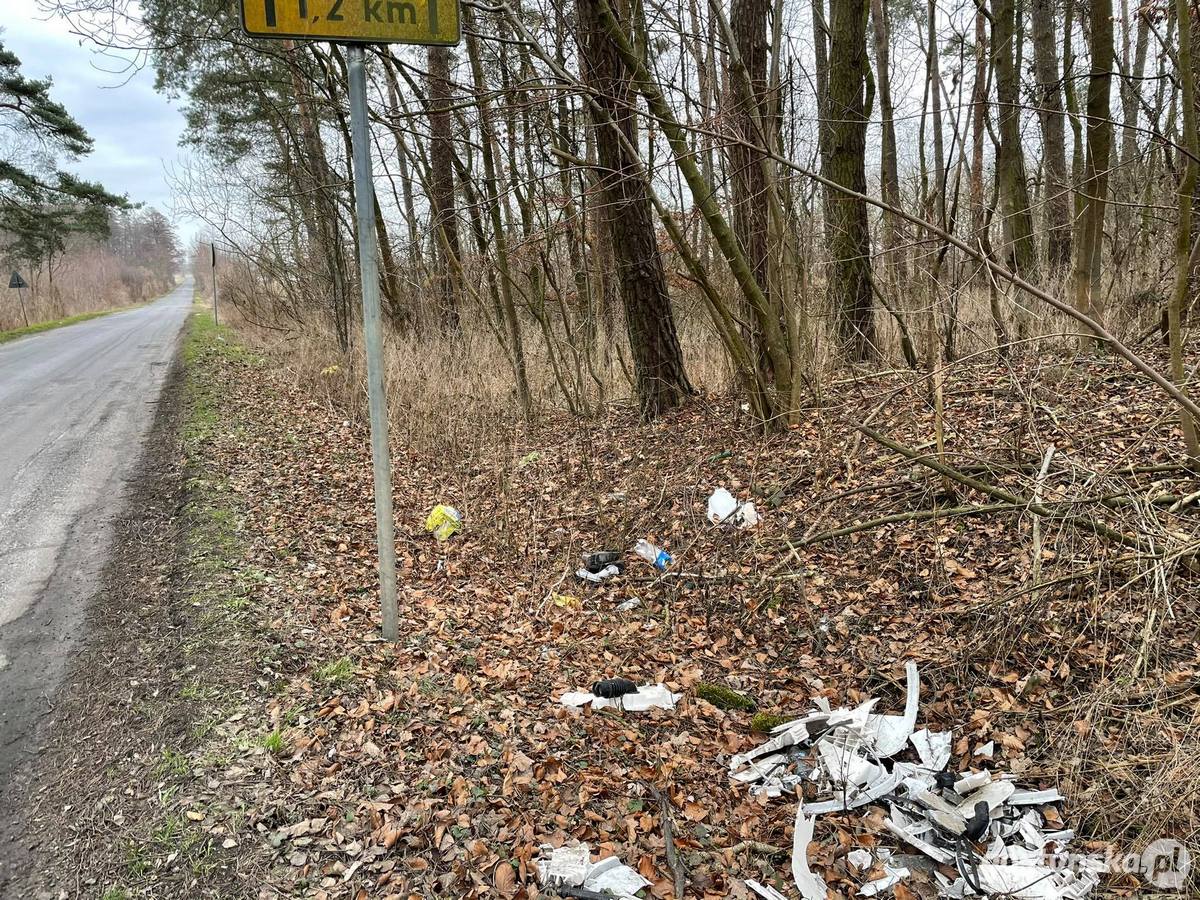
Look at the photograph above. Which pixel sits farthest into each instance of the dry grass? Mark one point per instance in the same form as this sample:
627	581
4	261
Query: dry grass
87	279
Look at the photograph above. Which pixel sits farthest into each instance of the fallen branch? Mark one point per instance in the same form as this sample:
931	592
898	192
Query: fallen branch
917	515
1038	509
668	830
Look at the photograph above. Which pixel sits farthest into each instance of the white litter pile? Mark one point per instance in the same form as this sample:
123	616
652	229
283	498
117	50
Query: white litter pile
847	755
648	696
573	867
723	509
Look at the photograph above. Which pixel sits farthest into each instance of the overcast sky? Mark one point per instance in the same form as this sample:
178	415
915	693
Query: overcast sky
135	129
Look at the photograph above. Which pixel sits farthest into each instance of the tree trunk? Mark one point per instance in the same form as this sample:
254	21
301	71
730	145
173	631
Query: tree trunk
1094	190
661	382
1183	233
1050	113
979	99
889	174
846	137
748	96
1010	161
442	213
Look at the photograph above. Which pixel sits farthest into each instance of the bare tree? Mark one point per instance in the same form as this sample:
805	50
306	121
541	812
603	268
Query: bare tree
849	237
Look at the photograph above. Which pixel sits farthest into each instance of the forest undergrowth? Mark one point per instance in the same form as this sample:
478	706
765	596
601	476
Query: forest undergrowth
439	765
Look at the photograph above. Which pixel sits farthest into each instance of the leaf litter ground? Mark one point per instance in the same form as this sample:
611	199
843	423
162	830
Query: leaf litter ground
438	766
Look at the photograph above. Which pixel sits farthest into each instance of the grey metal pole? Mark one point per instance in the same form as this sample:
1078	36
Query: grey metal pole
213	248
381	458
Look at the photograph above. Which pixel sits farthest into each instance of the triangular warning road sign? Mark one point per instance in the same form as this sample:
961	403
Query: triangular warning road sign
17	281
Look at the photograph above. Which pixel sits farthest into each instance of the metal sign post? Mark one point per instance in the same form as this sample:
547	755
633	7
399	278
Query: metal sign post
16	281
368	272
357	22
213	248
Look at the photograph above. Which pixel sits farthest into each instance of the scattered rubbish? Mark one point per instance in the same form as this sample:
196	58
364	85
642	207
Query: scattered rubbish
997	836
648	696
722	697
572	867
631	603
600	560
656	556
564	600
600	566
611	688
598	577
987	751
529	459
724	509
443	521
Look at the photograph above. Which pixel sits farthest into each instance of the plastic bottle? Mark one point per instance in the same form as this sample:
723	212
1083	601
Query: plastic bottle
656	556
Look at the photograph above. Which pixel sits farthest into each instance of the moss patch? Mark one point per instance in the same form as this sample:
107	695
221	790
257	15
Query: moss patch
722	697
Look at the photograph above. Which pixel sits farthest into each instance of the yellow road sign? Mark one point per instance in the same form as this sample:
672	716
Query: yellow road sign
368	21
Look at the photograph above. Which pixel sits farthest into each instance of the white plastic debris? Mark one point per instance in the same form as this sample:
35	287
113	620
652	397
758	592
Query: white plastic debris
1035	798
862	858
648	696
848	755
764	891
811	886
597	577
612	876
723	509
880	885
573	867
891	733
631	603
566	865
932	749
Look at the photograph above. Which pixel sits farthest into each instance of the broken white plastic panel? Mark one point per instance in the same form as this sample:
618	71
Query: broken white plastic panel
648	696
611	876
811	885
1035	798
933	749
764	891
879	886
995	794
891	733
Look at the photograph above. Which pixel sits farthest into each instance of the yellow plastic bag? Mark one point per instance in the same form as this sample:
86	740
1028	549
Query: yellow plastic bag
443	521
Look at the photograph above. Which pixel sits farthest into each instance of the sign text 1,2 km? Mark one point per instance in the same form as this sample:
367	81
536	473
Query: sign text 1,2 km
371	21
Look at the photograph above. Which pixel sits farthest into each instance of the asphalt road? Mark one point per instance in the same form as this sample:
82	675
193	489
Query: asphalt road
75	406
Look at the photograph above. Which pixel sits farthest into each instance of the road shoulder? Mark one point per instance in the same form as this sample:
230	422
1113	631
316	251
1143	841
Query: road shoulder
106	808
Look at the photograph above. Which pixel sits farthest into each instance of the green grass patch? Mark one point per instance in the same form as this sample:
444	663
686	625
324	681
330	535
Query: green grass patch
335	673
274	742
39	327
